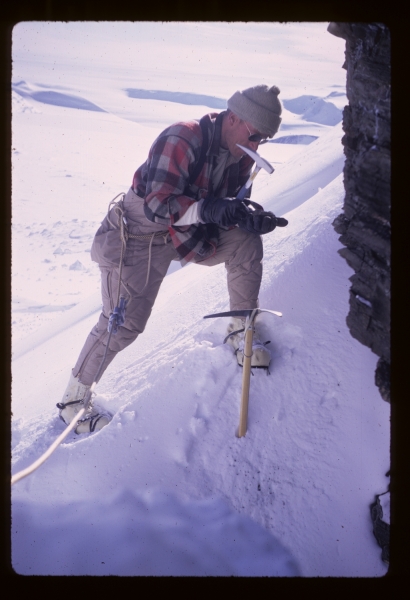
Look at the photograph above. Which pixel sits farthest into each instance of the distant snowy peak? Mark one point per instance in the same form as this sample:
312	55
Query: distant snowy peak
314	109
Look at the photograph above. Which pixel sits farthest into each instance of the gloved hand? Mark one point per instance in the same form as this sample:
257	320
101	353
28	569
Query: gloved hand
260	221
225	212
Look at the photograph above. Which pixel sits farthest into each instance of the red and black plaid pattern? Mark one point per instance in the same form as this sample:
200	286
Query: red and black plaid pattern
163	180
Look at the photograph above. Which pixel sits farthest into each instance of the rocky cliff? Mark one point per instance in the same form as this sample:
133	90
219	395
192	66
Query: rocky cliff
364	224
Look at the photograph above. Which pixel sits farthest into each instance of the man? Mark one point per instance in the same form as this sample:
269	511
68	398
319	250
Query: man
181	206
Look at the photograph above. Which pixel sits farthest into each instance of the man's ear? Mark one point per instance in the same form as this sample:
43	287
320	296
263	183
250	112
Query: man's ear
232	118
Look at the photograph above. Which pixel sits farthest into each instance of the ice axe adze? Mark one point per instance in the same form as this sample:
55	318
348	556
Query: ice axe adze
260	163
250	315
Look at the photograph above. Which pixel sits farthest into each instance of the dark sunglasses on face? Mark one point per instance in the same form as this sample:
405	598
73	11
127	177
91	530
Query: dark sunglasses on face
256	137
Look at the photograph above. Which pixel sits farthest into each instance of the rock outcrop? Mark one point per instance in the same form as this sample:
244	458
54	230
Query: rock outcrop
365	223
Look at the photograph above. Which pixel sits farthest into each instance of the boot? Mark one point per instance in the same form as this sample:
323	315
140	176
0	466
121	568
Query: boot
261	356
95	417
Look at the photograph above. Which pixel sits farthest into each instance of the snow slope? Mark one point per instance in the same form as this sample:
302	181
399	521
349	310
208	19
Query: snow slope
176	431
298	486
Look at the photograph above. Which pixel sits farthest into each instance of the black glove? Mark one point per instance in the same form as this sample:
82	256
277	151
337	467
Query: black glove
223	211
260	221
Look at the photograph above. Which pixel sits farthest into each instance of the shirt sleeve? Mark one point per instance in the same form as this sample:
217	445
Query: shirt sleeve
192	215
167	177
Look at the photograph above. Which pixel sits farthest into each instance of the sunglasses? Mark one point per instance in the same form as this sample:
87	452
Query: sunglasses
256	137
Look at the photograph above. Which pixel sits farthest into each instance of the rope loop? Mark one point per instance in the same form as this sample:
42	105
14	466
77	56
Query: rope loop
116	320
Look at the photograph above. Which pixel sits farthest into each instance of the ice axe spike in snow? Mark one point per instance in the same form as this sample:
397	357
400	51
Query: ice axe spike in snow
250	315
260	163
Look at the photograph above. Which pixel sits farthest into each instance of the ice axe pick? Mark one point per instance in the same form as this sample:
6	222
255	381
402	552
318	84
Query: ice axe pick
260	163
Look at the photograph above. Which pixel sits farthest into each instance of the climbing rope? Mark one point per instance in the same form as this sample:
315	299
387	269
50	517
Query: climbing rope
125	235
35	465
117	319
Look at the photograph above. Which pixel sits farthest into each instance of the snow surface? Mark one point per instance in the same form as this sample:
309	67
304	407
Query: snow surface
167	483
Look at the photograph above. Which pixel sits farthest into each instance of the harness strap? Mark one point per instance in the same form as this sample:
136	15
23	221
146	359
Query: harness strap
62	405
93	421
204	149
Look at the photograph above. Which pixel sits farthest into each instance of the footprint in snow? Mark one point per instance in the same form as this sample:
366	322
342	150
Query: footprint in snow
198	426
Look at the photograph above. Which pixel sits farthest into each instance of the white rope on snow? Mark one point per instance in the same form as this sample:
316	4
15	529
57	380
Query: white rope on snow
36	464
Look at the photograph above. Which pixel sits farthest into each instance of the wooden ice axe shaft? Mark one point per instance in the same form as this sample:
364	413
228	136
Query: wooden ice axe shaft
260	163
246	379
250	314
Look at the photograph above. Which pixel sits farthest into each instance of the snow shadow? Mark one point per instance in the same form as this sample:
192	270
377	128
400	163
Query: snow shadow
315	109
336	94
44	308
151	534
55	98
295	139
179	97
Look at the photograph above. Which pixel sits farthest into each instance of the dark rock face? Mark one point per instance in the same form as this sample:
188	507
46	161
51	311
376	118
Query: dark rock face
365	223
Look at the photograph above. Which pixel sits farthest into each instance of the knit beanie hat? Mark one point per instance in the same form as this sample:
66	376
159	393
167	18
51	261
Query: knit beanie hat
260	106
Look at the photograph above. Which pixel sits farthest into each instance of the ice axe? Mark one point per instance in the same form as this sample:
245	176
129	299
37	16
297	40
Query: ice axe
250	314
260	163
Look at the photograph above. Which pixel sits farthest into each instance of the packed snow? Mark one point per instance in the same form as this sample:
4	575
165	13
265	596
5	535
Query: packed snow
167	488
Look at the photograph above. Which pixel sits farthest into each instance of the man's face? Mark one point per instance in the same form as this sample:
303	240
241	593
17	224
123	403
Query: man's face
238	132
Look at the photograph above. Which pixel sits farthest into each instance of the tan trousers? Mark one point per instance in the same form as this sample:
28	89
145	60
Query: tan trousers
240	251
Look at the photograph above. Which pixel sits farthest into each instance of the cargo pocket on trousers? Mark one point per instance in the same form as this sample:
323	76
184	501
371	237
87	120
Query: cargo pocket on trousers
106	248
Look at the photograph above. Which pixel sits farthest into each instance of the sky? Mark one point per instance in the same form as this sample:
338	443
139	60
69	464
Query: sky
210	57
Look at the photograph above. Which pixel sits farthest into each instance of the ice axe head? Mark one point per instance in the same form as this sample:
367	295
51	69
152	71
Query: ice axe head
260	162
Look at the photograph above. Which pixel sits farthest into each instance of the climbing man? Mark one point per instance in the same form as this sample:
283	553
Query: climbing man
181	206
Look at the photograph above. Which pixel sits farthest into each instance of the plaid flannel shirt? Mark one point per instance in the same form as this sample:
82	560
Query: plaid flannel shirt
163	182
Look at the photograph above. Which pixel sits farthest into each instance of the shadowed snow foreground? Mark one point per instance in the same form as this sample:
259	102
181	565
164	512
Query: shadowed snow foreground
146	534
